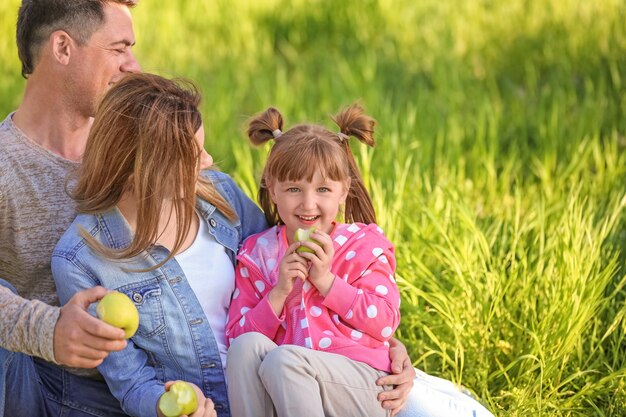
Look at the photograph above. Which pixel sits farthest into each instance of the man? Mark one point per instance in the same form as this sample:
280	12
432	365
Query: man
71	52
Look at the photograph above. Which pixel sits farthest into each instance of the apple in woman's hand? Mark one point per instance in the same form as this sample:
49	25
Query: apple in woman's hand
118	310
180	399
304	235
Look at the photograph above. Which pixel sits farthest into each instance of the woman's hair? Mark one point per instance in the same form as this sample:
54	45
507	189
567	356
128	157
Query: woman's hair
307	148
143	141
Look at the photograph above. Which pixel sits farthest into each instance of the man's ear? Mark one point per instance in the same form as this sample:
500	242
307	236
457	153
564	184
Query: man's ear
61	43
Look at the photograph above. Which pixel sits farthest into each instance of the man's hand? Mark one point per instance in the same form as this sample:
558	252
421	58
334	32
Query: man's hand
401	377
81	340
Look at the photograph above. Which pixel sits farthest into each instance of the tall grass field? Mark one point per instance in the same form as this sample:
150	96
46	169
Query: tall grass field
499	171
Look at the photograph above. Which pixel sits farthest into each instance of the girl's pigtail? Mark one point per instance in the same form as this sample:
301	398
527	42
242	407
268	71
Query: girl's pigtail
262	128
265	126
353	121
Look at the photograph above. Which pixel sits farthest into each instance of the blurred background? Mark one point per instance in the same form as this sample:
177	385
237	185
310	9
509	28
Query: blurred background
499	171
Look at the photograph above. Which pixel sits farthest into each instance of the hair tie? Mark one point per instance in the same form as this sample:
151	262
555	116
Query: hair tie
342	136
277	133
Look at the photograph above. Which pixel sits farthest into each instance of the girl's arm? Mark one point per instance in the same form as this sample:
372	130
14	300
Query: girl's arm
127	373
250	309
370	304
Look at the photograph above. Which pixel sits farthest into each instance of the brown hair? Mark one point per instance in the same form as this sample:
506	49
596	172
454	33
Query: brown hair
143	139
302	150
37	19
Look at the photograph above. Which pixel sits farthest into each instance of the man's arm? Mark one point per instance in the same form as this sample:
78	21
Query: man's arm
68	335
27	325
401	377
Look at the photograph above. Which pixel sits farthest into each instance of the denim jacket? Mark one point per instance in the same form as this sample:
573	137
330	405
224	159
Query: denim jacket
174	340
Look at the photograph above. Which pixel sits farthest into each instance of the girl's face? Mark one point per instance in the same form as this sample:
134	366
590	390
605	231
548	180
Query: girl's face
304	204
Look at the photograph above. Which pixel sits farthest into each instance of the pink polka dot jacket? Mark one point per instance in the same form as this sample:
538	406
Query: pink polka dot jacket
356	318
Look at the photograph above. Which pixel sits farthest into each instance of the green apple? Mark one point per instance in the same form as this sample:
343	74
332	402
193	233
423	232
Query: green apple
304	235
118	310
180	399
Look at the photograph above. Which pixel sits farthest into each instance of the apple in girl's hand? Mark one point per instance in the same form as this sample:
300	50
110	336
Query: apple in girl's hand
304	235
118	310
180	399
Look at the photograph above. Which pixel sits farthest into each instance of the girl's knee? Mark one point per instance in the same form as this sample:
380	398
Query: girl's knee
249	348
282	359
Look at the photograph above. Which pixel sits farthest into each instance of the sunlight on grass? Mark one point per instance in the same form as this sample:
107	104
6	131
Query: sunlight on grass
499	170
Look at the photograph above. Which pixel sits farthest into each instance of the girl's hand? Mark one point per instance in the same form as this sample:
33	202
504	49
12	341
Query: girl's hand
292	267
205	405
321	260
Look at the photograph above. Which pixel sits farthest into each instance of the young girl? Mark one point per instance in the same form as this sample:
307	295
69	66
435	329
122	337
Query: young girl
331	304
155	227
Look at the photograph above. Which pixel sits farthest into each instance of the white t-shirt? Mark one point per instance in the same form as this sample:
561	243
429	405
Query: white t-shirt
211	276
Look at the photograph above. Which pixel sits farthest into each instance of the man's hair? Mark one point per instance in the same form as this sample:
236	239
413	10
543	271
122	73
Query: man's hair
37	19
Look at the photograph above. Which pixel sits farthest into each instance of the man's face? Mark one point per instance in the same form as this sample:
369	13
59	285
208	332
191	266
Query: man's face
104	59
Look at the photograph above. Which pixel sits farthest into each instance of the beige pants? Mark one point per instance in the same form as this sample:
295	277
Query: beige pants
292	381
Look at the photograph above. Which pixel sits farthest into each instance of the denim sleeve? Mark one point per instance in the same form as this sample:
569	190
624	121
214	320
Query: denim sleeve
126	372
251	216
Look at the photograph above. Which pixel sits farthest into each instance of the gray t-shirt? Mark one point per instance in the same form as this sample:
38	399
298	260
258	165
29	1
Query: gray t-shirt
35	210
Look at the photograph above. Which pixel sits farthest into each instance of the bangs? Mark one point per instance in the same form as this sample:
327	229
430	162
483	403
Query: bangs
299	160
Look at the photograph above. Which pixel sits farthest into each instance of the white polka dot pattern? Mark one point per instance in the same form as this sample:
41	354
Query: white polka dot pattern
382	290
360	312
356	335
315	311
325	342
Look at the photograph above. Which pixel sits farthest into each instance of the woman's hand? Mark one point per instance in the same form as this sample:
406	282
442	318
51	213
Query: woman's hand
205	405
401	378
320	260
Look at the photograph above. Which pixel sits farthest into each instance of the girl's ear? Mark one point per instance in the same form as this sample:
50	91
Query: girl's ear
346	191
270	189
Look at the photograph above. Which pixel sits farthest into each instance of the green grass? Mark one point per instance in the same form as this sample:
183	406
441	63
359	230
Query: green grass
500	169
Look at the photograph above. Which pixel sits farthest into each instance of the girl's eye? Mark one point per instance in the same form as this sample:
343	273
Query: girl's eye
293	189
323	189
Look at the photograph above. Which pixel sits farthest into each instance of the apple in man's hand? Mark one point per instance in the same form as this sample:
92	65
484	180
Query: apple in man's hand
304	235
180	399
118	310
